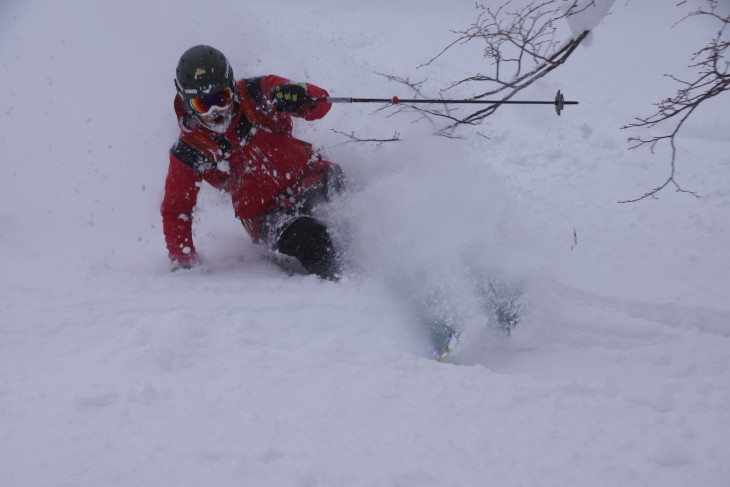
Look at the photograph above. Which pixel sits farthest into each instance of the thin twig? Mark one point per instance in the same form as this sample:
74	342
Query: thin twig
378	142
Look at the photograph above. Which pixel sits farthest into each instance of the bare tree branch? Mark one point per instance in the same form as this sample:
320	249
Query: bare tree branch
712	79
415	87
378	142
520	47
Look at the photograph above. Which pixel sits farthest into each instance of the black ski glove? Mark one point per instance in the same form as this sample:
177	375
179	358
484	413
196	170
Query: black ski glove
291	98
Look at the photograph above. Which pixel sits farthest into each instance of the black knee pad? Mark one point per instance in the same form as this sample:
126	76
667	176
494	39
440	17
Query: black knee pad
307	239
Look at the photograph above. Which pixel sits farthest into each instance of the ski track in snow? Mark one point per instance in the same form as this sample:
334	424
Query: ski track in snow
114	371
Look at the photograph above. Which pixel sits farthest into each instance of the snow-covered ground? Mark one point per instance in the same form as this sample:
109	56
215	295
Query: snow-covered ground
114	371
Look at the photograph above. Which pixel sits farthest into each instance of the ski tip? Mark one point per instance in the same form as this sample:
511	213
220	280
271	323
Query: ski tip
446	354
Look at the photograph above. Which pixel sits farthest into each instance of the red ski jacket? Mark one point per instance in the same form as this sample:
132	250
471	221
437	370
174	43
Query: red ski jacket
264	162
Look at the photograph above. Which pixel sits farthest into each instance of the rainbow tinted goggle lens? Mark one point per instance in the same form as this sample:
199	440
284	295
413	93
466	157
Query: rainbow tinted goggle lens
203	104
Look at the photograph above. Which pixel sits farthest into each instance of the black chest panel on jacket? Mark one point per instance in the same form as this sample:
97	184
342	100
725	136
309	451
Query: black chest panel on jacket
244	129
253	87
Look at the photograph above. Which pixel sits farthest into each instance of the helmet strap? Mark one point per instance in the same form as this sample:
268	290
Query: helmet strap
177	87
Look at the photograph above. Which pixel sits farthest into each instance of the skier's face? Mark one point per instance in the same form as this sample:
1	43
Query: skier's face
215	111
218	119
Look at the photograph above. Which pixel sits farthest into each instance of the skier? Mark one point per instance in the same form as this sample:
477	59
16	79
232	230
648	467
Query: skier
237	136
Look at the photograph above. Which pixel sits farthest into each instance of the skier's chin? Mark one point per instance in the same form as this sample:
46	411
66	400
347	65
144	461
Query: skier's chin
218	122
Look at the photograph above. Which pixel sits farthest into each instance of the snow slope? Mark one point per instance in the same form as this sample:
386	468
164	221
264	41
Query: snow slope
114	371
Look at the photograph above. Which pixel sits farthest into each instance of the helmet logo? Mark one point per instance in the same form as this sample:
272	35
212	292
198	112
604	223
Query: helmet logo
199	72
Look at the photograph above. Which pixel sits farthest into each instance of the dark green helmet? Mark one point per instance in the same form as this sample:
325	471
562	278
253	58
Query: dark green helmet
202	70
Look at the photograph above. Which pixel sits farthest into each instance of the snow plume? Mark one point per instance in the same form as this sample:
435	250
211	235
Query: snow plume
589	14
436	226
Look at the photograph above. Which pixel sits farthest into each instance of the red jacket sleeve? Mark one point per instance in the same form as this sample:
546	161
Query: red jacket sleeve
321	108
316	112
181	194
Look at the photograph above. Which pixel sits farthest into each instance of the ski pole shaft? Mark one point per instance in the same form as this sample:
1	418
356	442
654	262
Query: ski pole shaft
559	101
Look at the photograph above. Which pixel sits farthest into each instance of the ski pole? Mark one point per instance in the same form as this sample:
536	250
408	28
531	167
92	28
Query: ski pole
559	101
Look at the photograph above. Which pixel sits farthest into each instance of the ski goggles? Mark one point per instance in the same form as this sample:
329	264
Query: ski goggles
204	104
